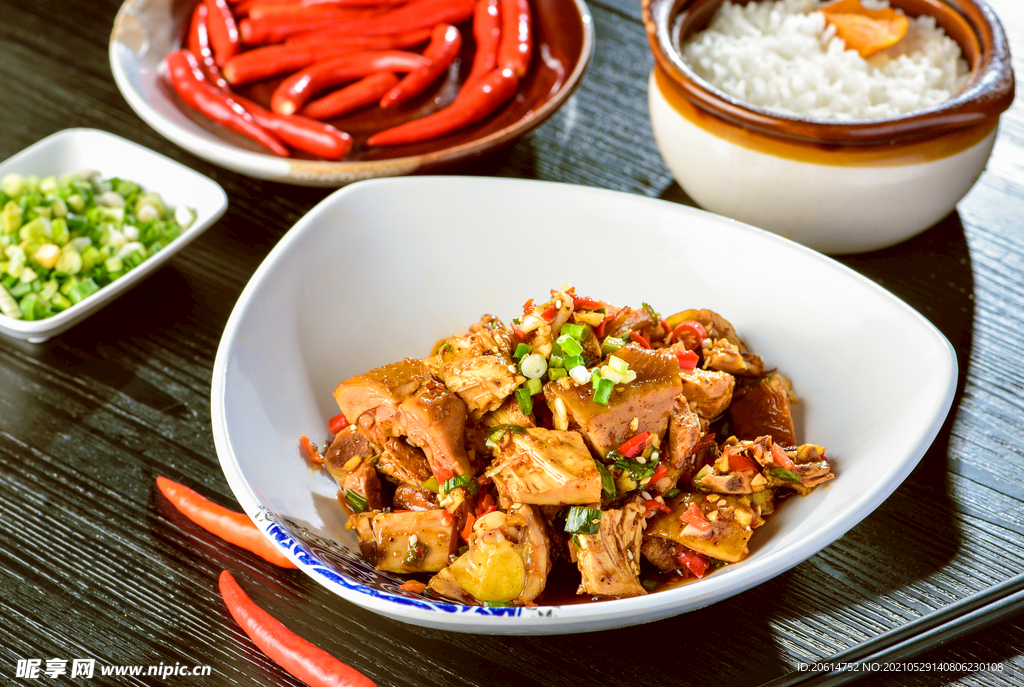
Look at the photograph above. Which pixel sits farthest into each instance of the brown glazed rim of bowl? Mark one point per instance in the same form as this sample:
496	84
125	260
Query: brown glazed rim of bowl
988	92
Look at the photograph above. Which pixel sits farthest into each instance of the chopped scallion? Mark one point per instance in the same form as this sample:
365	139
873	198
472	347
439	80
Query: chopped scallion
356	500
521	350
555	373
583	520
525	400
783	474
611	344
555	361
534	386
430	485
569	344
608	489
603	391
618	364
576	331
571	361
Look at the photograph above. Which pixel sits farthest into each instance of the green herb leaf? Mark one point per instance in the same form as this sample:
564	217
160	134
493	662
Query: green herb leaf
783	474
648	308
649	585
608	488
416	555
356	500
671	492
637	472
431	485
583	520
525	400
515	429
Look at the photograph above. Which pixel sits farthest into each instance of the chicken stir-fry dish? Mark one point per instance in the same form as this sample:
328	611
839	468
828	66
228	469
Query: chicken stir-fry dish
631	450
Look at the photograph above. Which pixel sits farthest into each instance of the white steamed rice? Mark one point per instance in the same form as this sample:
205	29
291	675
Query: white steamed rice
783	57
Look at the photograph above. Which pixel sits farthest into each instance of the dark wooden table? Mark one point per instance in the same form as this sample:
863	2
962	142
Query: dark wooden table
95	564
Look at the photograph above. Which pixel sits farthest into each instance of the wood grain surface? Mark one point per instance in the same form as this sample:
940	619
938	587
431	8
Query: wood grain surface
94	563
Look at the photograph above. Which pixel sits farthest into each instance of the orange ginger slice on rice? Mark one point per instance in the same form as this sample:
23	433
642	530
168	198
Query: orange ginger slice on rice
866	31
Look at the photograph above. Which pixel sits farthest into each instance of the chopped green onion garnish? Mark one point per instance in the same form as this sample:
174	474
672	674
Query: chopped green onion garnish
556	373
572	361
515	429
576	331
618	364
555	361
525	400
414	558
569	344
608	488
672	492
595	377
356	500
534	386
637	472
603	391
457	481
649	309
82	289
583	520
430	485
533	366
576	541
521	350
783	474
611	344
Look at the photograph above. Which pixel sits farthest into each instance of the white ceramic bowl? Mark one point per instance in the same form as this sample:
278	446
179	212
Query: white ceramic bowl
838	187
79	149
382	269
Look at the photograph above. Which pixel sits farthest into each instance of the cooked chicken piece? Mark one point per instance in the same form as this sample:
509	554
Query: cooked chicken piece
417	541
479	368
648	399
764	407
810	468
628	320
725	356
813	474
402	399
543	466
408	497
347	451
729	483
662	553
684	432
709	390
729	525
363	481
402	463
508	414
609	561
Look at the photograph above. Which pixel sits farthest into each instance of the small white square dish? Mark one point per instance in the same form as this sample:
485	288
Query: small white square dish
383	269
73	150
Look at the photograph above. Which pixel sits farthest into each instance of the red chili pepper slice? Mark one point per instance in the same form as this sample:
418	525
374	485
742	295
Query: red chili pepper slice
600	327
518	333
294	91
468	529
300	658
223	31
658	474
693	515
694	328
637	337
444	46
471	105
516	48
585	304
487	35
634	445
338	423
694	562
485	504
668	330
190	84
687	359
199	46
781	458
312	454
651	505
366	91
234	528
549	314
301	133
741	463
527	307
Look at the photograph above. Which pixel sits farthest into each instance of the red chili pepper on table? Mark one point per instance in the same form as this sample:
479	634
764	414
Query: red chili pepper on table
191	86
516	48
300	132
366	91
294	91
631	447
223	31
199	46
487	34
338	423
445	43
300	658
234	528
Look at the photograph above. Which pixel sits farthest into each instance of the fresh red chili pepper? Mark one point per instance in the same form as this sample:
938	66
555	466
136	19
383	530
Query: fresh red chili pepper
301	133
695	516
294	91
271	60
445	43
190	84
338	423
234	528
631	447
516	48
651	505
366	91
468	529
694	328
781	458
276	28
549	314
199	46
687	359
299	658
296	12
658	474
471	105
694	562
600	327
586	304
487	34
664	326
639	339
389	41
741	463
223	31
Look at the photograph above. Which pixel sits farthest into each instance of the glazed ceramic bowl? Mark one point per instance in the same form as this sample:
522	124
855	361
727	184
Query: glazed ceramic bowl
296	332
838	187
146	30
